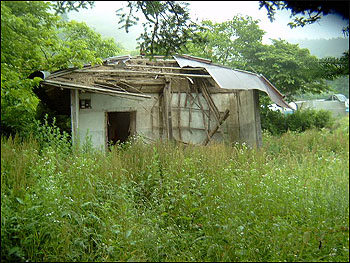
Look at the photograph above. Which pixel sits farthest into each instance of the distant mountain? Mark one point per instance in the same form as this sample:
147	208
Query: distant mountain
334	47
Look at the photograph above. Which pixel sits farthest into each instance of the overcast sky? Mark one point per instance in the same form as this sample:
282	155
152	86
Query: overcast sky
102	18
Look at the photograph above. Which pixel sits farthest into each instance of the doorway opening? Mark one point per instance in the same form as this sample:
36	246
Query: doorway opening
120	126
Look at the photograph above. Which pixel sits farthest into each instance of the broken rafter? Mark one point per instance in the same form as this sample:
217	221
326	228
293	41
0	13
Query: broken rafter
212	132
150	81
108	85
142	73
210	102
92	89
143	60
162	67
130	86
203	113
179	114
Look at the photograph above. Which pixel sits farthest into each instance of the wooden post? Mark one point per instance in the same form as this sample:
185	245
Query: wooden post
179	114
257	118
203	115
74	106
212	132
167	109
210	102
161	115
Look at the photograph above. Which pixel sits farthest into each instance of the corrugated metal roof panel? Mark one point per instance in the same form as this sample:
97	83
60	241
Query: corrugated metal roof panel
228	78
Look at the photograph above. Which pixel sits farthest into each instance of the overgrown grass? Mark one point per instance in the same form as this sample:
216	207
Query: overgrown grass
288	201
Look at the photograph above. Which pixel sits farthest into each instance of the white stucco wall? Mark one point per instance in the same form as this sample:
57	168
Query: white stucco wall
92	122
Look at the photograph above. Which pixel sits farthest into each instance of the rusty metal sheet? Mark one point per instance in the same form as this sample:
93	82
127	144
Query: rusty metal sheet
228	78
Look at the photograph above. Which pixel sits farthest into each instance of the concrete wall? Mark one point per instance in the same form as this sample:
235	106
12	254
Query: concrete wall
243	123
240	126
336	107
93	122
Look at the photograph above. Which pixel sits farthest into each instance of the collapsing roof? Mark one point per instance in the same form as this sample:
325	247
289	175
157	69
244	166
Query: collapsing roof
225	78
183	98
228	78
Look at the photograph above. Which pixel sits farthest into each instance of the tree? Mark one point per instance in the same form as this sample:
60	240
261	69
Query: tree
167	29
62	7
32	38
238	43
230	42
308	12
335	67
292	69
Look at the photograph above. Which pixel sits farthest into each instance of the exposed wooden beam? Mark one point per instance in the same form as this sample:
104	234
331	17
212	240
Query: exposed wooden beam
167	109
160	67
150	81
92	89
212	132
145	60
74	118
210	101
141	72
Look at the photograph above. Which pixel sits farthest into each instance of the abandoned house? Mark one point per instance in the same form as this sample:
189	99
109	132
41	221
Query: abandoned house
185	99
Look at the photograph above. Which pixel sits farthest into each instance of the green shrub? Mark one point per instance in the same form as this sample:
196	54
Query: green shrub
49	135
273	121
278	123
168	202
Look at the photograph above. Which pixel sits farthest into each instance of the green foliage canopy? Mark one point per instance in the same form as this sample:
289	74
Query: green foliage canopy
307	12
32	38
238	43
167	28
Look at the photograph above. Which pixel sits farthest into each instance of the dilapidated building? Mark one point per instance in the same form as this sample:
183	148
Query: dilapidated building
185	98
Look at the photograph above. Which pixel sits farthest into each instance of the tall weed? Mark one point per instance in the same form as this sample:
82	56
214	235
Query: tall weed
288	201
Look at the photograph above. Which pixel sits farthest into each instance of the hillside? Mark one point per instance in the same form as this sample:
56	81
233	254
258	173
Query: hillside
321	48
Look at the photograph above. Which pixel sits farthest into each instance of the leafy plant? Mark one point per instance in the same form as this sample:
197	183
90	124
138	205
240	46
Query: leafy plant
32	38
277	122
288	200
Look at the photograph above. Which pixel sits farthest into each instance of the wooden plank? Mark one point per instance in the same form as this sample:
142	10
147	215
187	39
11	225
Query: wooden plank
107	85
167	110
142	73
152	112
106	131
247	117
163	67
200	107
257	119
73	116
239	110
179	114
77	107
233	121
210	102
203	113
91	88
212	132
145	60
135	81
190	109
161	116
184	127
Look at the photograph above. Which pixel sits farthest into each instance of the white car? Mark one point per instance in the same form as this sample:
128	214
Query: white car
275	107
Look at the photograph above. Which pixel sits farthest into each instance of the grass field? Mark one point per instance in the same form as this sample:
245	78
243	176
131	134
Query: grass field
288	201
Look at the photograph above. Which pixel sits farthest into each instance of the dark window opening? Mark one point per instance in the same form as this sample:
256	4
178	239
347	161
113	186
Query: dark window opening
120	126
